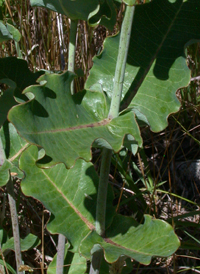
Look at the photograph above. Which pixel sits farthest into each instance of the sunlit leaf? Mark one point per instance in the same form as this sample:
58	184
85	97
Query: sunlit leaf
70	195
65	125
141	243
156	65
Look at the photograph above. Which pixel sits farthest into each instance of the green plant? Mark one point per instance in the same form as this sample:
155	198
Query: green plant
147	62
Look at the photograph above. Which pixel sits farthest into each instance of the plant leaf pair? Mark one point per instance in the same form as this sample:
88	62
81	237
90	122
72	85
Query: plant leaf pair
70	195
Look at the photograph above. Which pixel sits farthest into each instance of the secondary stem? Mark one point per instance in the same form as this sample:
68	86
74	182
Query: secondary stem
102	191
121	61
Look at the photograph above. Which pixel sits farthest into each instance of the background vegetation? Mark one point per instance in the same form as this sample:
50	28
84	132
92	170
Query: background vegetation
167	170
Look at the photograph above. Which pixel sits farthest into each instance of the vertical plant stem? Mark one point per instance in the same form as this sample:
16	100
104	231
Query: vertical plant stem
60	254
18	50
114	112
121	61
15	225
97	252
102	191
72	49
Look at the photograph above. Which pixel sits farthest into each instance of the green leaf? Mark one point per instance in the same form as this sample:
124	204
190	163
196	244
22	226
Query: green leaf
8	32
15	73
156	64
9	267
95	11
73	263
14	31
70	195
141	243
65	125
13	145
78	9
29	242
4	172
129	2
6	102
106	15
3	236
5	35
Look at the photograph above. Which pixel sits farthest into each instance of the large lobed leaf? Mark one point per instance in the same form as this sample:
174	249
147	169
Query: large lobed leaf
95	11
77	9
65	125
70	195
156	65
153	238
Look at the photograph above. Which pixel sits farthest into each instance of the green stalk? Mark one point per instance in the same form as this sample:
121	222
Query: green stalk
97	252
60	254
102	192
2	153
72	49
114	112
18	50
121	61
